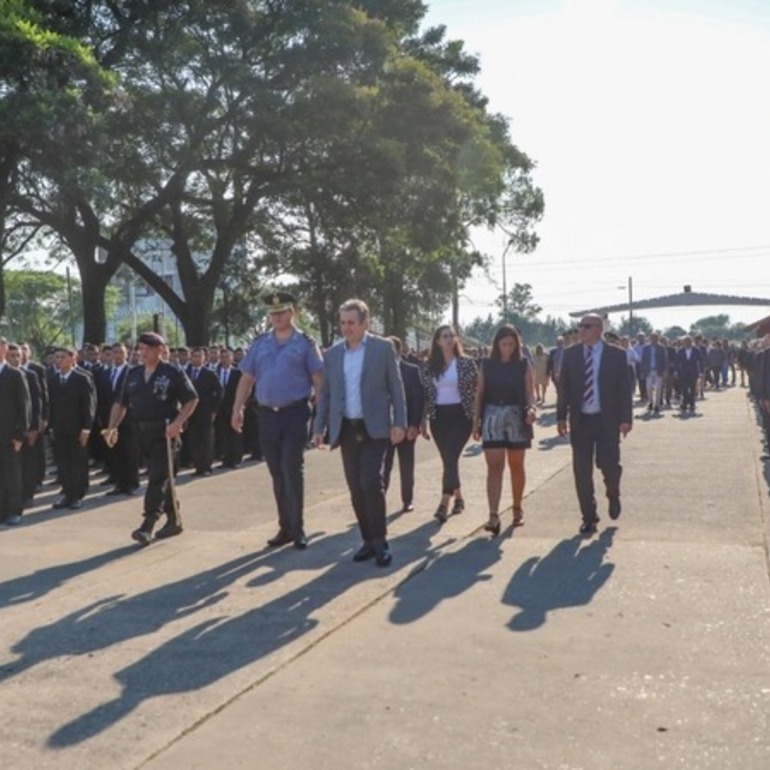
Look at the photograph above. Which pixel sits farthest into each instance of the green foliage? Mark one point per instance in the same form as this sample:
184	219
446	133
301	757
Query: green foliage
718	326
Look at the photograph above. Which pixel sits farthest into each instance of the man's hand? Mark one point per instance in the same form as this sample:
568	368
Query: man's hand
397	434
32	437
236	420
110	437
562	428
318	440
83	439
625	428
16	444
412	432
174	430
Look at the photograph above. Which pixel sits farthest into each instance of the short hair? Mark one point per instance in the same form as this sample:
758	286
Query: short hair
397	344
12	346
68	349
3	341
199	349
358	305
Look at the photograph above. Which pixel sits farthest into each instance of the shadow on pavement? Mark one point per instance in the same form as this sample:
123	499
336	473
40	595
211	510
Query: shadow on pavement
216	647
568	576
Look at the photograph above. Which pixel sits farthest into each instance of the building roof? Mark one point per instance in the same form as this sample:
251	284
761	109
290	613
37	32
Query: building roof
683	299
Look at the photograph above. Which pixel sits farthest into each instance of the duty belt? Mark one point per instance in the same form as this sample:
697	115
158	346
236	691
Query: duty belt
300	402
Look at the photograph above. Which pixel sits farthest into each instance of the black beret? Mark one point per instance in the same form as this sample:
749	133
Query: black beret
152	339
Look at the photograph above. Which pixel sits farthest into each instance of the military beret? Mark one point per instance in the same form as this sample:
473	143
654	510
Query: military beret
278	301
152	339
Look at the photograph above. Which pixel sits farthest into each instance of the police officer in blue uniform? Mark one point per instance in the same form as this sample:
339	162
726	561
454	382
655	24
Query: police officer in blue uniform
154	392
286	365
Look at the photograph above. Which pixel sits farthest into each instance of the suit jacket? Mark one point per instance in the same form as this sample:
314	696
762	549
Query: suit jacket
382	391
689	370
228	396
42	377
15	412
35	398
415	396
661	359
73	405
554	354
614	387
209	391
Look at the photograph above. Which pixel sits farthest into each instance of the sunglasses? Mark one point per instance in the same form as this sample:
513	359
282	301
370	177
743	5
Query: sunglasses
586	326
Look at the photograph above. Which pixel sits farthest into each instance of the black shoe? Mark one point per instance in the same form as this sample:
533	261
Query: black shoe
364	553
407	508
75	505
169	529
62	502
588	528
384	557
441	513
614	509
300	543
114	492
458	507
493	525
142	536
202	474
282	538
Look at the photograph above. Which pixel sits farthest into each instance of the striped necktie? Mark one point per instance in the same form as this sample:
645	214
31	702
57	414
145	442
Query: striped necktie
588	389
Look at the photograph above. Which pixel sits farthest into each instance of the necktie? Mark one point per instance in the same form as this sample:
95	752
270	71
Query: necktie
224	378
115	372
62	379
588	390
195	373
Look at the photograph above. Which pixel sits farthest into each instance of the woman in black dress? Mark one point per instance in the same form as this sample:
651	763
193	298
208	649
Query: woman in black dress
503	416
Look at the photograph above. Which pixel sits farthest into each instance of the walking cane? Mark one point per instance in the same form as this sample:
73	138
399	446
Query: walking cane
171	479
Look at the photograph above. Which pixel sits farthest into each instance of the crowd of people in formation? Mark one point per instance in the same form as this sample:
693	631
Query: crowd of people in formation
162	408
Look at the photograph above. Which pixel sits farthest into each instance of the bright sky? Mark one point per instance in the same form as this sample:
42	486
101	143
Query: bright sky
650	125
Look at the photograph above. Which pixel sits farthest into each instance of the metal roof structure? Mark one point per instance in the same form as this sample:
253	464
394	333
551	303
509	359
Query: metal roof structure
683	299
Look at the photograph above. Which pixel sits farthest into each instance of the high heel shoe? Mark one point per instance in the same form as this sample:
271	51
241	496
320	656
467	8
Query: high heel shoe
458	507
493	525
518	517
441	513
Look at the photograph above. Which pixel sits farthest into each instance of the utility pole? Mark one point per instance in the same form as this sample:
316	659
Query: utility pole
631	304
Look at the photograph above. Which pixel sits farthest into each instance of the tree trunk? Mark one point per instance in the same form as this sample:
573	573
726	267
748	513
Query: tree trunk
196	316
93	282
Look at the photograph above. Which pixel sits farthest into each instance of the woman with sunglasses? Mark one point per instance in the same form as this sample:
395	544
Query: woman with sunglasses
503	416
449	382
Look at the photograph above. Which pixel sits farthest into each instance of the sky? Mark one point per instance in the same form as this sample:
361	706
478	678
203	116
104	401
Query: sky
649	124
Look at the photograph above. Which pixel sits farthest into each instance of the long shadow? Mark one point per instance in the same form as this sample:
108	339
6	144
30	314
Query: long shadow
37	584
449	577
568	576
546	444
216	647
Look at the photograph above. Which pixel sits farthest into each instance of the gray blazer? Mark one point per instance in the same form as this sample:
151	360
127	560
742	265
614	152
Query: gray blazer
382	391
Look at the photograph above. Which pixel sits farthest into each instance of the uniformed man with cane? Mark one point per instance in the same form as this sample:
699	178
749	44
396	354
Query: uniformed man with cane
161	398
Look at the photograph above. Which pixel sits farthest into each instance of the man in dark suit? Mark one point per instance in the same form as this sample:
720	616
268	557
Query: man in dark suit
363	406
689	367
73	408
38	443
228	442
415	403
200	428
555	357
14	424
28	461
595	396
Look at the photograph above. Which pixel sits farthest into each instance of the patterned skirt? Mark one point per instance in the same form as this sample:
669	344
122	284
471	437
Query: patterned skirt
503	427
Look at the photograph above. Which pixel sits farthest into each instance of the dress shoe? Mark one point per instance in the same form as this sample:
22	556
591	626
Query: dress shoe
114	492
12	521
62	502
408	508
282	538
143	537
458	507
169	529
383	557
202	474
614	509
75	505
300	543
588	528
441	513
364	553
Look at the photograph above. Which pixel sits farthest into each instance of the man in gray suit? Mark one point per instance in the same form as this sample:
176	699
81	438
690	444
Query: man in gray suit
363	407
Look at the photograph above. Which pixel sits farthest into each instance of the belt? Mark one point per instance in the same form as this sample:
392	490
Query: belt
300	402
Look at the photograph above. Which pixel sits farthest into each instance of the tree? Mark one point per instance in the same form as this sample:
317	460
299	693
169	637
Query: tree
674	332
639	325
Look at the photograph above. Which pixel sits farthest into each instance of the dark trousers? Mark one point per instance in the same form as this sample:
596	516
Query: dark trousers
72	464
405	452
451	430
29	468
252	444
688	393
10	481
200	431
363	460
283	435
590	440
123	462
228	443
152	444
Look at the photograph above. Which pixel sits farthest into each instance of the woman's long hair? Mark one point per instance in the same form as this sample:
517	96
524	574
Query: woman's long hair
502	333
436	363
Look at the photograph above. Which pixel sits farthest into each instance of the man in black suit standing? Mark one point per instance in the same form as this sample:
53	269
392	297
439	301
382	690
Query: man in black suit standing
200	428
14	424
415	403
73	408
595	395
228	443
37	443
689	367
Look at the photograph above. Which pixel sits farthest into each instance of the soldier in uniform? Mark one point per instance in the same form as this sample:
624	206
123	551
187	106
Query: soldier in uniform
154	392
286	365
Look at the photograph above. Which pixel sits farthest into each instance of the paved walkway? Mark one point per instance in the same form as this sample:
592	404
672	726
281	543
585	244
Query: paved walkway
644	647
